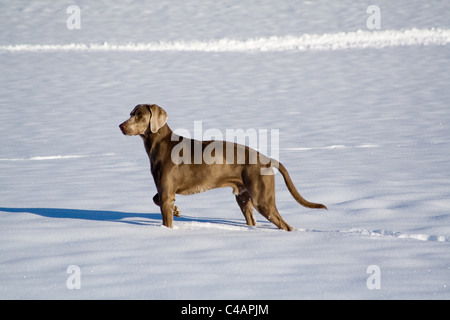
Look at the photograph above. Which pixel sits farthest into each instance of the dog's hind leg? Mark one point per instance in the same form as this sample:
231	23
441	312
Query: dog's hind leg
274	216
245	203
262	191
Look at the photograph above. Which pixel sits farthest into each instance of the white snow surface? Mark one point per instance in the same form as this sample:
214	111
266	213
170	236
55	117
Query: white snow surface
364	129
308	42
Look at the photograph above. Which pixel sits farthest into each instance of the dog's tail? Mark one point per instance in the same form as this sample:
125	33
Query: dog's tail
293	190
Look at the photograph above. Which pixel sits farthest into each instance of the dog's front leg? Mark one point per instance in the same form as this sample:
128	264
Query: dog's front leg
167	209
176	211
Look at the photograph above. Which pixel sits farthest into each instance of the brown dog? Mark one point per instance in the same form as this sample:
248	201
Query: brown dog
177	168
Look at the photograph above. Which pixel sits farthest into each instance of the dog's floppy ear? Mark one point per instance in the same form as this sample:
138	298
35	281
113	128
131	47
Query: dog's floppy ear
158	118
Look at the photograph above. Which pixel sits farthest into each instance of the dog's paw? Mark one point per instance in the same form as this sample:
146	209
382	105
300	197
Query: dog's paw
176	211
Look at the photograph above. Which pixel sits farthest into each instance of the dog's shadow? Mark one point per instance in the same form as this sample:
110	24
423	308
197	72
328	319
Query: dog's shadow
152	219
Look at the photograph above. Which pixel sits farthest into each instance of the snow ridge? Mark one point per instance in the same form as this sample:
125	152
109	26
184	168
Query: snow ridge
236	225
56	157
331	147
360	39
399	235
384	234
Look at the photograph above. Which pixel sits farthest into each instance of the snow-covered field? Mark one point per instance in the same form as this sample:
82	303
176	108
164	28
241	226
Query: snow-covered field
364	127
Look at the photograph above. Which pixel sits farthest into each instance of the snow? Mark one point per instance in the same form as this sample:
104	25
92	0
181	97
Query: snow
364	129
308	42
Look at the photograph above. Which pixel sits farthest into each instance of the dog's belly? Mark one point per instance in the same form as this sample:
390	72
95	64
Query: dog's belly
199	188
195	189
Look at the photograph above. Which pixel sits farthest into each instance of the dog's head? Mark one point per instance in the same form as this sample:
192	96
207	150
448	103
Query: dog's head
144	119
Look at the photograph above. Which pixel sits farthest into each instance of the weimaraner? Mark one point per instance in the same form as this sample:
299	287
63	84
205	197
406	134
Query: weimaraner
238	170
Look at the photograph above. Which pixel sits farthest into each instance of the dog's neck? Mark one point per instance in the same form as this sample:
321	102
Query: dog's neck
152	139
